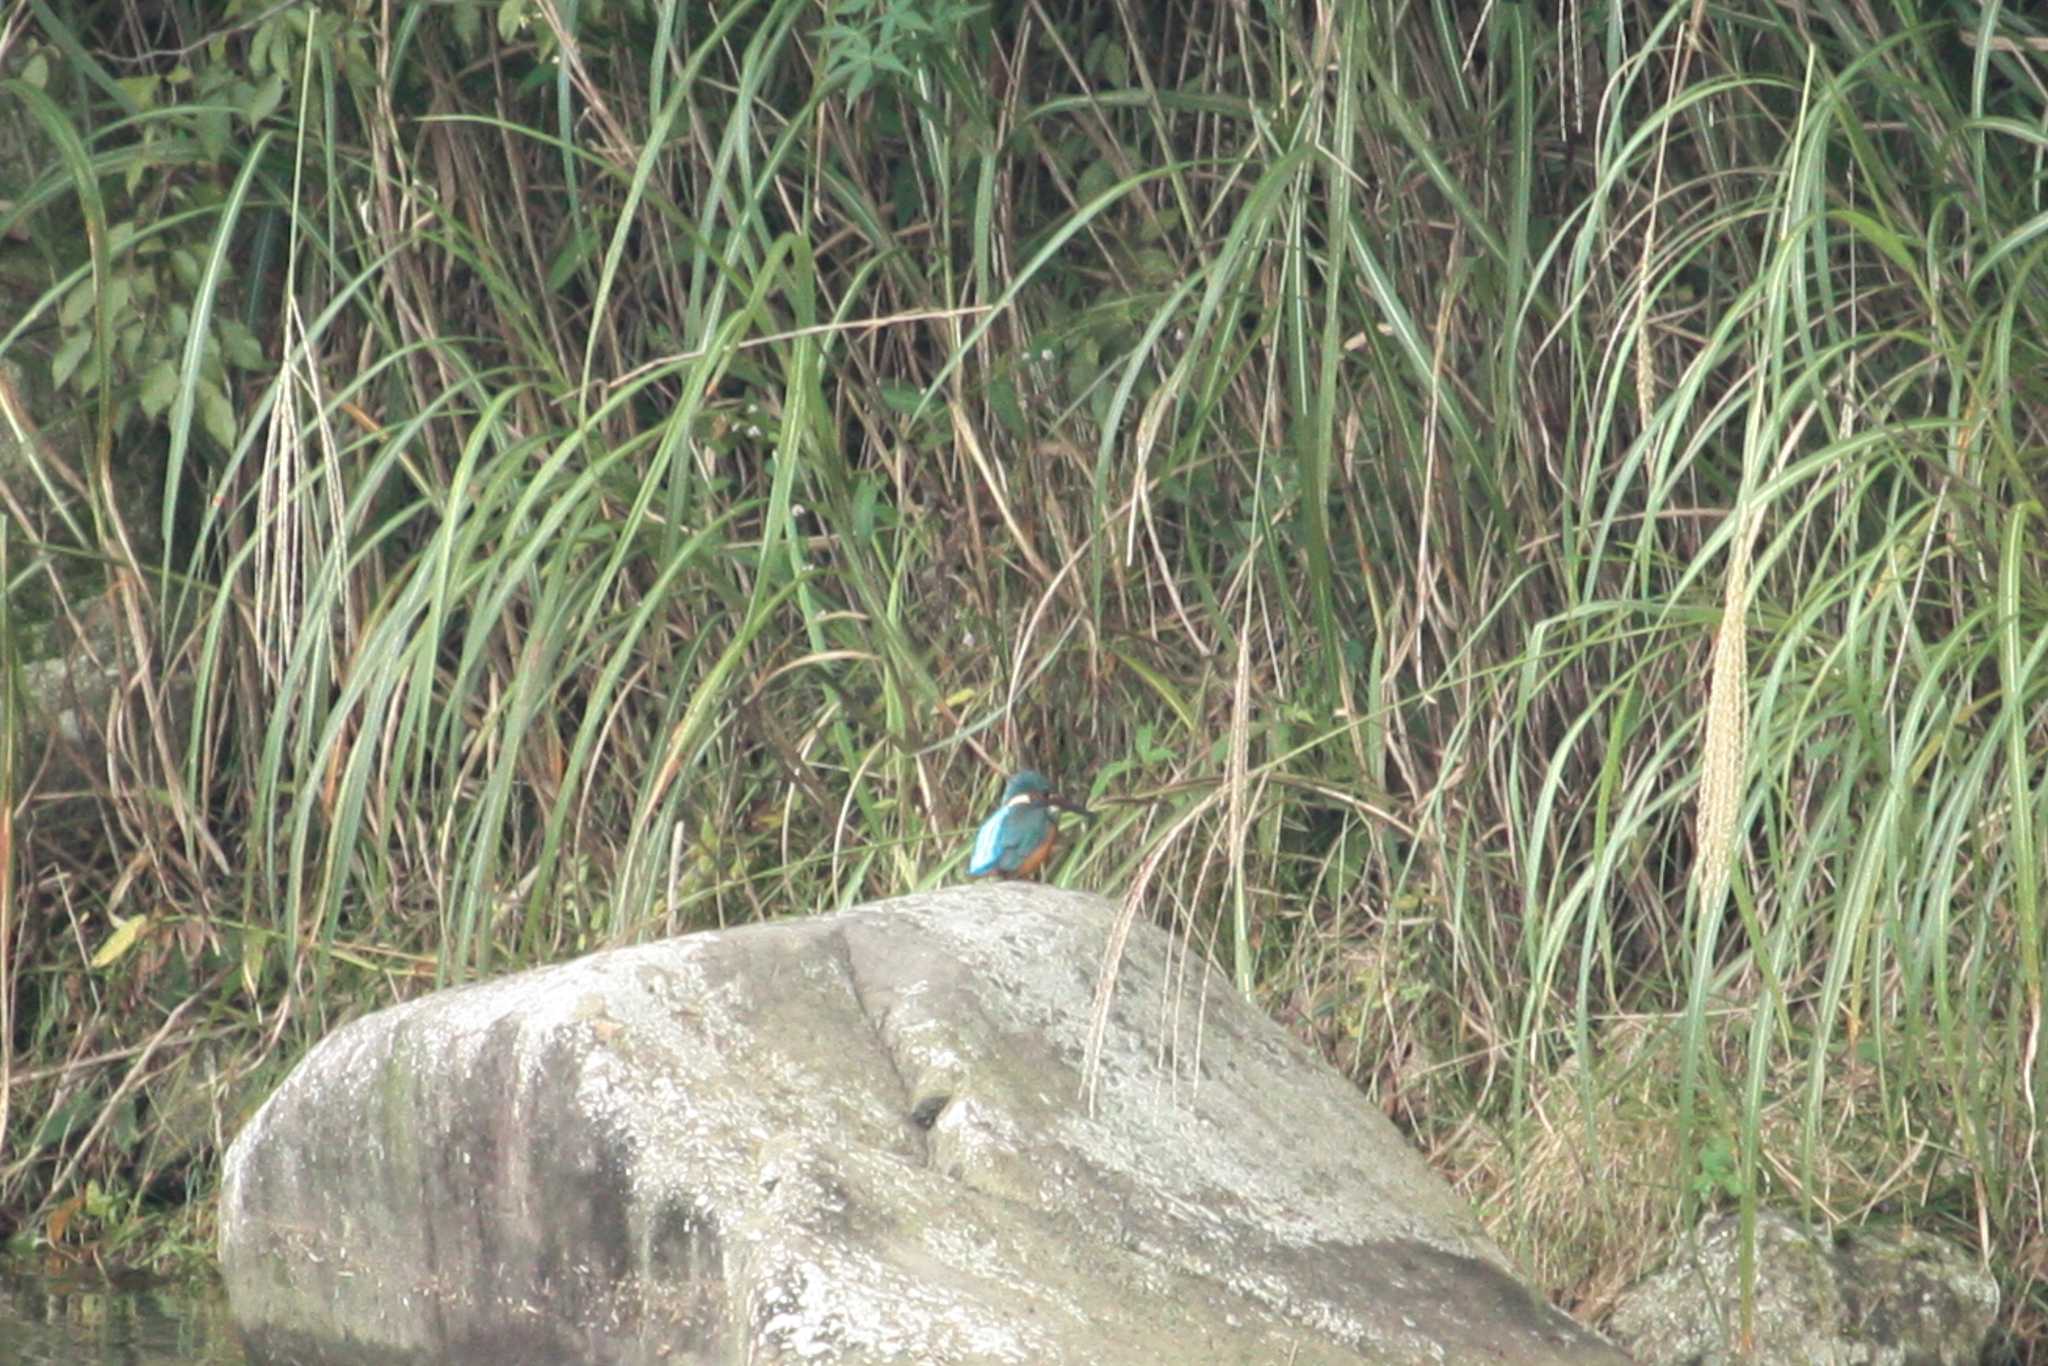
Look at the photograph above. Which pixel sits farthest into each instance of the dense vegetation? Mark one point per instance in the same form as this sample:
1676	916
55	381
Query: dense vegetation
1530	525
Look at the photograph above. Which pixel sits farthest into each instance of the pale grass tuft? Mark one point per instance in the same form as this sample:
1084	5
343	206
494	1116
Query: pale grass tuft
1723	744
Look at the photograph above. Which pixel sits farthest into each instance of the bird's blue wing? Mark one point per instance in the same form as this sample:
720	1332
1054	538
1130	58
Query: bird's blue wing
988	846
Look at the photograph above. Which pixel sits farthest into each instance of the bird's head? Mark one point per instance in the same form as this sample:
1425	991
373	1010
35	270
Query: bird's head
1030	788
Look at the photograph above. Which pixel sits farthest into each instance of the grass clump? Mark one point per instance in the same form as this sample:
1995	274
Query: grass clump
1529	526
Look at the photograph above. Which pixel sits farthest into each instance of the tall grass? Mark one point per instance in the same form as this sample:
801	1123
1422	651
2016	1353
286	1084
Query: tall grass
1529	530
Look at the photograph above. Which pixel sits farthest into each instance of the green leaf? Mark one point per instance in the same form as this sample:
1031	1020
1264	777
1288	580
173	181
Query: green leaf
212	126
63	1120
126	932
1002	396
118	290
68	355
281	45
217	413
76	304
574	253
1096	180
123	1129
262	102
259	48
159	387
239	345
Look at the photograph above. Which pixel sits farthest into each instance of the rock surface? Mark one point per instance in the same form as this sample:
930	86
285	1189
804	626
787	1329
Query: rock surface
1895	1295
855	1138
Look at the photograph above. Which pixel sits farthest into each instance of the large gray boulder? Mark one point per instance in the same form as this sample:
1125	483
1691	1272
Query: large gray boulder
856	1138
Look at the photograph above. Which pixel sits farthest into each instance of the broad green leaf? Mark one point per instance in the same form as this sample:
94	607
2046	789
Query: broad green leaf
77	304
239	345
217	413
262	102
159	387
68	355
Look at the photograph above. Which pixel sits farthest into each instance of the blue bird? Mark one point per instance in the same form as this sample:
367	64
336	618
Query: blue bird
1018	839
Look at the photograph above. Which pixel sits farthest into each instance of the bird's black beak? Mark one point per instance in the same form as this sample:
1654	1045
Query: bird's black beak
1075	807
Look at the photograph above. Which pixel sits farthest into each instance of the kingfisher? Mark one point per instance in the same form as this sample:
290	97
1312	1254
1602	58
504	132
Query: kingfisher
1018	839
